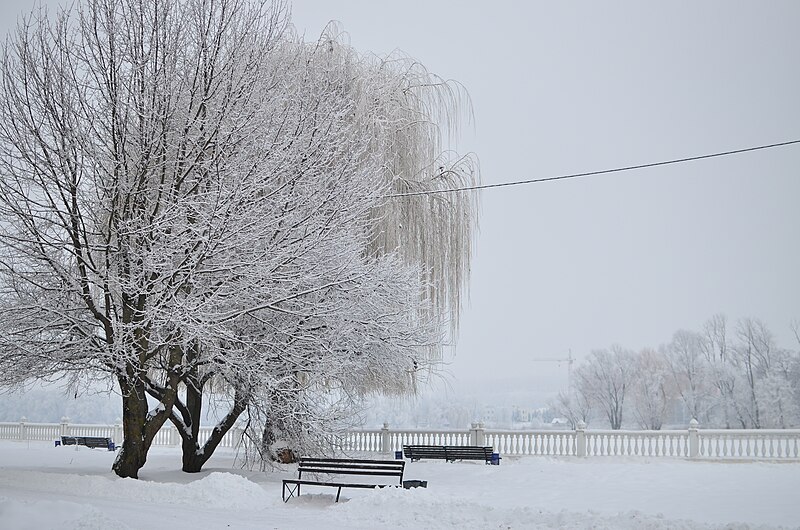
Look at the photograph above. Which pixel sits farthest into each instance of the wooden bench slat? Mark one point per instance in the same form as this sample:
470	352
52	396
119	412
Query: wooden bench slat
344	471
450	453
89	441
350	461
359	465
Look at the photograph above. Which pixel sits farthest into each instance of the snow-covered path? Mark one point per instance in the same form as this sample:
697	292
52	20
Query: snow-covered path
43	487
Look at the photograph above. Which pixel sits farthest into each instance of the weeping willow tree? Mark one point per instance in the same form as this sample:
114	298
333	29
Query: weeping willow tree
410	114
407	115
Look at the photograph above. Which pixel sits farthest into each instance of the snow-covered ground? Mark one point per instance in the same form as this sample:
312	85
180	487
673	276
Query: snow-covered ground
43	487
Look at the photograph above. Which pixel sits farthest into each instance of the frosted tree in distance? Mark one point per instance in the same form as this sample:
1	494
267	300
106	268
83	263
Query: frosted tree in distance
606	379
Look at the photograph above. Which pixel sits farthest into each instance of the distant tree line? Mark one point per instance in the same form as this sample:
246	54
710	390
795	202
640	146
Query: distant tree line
724	376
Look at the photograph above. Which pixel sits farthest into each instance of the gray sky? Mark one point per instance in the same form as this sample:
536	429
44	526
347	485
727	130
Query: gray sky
570	87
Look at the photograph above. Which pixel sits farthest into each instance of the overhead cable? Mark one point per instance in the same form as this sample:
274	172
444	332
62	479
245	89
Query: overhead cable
599	172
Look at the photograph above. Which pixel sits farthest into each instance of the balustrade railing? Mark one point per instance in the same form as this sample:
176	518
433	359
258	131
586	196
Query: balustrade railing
745	444
637	443
167	436
749	444
535	443
716	444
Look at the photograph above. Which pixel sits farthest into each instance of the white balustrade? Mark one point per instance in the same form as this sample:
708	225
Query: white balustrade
745	444
637	443
714	444
535	443
167	436
751	444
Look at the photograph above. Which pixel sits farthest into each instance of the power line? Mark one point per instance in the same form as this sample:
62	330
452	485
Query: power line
600	172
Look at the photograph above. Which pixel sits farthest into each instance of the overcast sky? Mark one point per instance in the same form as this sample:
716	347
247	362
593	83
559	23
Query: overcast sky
563	87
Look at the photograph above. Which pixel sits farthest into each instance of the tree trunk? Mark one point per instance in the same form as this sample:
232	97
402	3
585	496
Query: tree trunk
133	454
139	425
194	456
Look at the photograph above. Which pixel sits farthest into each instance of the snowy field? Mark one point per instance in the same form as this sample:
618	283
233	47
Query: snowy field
43	487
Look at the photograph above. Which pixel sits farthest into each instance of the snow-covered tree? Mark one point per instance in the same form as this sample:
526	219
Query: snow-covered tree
574	405
753	351
686	363
191	198
652	389
605	379
721	371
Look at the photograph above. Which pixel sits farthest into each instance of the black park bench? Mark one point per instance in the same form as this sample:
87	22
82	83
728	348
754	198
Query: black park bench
89	441
450	453
337	472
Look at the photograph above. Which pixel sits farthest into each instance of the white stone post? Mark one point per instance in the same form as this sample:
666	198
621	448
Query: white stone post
580	439
118	432
173	438
65	426
694	439
480	435
23	429
386	439
473	433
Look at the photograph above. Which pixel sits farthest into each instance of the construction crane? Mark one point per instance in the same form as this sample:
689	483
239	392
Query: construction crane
569	360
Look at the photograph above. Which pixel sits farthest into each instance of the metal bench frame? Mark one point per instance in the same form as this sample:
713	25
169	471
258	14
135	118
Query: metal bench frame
342	467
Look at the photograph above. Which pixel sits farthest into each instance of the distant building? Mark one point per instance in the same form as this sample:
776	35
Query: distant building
521	415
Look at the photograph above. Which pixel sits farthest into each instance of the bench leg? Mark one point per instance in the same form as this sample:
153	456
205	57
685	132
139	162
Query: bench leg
338	493
292	491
